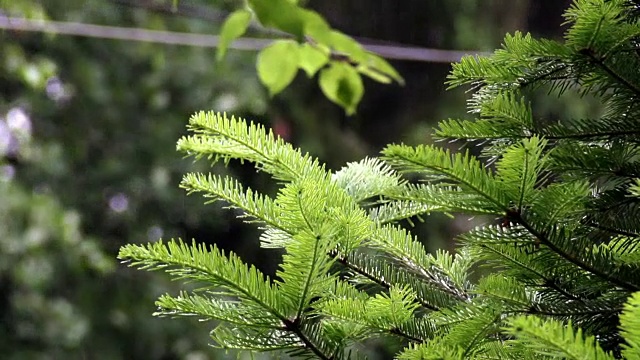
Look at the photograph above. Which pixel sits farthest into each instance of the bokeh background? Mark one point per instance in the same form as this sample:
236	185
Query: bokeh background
88	163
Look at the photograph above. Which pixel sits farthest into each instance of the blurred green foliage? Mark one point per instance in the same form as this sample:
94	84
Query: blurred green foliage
88	162
99	170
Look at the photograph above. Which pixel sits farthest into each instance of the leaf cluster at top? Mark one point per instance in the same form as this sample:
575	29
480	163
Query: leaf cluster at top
315	48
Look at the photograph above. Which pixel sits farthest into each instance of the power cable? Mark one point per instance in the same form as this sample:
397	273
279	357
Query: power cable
395	52
383	48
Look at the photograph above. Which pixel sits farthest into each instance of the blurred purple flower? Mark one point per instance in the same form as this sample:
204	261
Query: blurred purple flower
119	202
18	121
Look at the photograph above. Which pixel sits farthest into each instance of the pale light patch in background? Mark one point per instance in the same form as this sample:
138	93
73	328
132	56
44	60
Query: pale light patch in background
119	203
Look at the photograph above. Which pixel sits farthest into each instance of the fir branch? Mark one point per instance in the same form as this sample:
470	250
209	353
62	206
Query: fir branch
395	210
504	248
598	314
219	137
506	290
592	135
555	67
468	326
480	129
383	314
419	328
519	169
566	250
553	284
600	62
516	217
254	339
571	313
364	271
196	263
230	312
567	200
441	164
400	333
545	281
492	129
367	178
612	230
554	338
295	327
615	209
434	349
440	197
630	327
315	255
613	159
260	207
482	335
411	255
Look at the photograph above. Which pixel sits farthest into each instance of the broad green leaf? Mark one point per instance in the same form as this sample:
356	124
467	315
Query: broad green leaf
235	25
312	59
278	64
316	27
374	74
382	66
342	84
346	45
280	14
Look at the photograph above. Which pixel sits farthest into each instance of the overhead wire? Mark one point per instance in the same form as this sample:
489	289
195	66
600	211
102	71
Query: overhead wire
388	51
